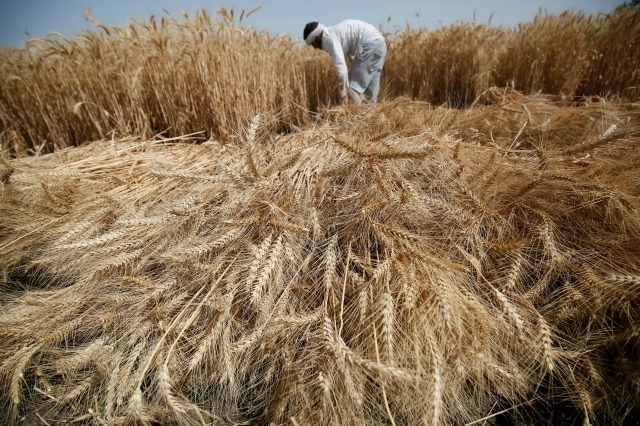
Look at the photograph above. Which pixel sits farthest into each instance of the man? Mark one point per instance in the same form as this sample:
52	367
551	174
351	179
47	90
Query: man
366	47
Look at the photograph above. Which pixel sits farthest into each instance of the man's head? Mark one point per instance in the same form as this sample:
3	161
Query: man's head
313	34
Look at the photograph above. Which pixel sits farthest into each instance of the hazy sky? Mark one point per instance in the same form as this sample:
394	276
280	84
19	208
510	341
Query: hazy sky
39	17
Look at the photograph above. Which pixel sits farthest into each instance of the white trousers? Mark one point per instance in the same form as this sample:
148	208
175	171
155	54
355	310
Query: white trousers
366	69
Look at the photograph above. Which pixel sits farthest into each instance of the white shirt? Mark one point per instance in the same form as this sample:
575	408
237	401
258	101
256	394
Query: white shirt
343	40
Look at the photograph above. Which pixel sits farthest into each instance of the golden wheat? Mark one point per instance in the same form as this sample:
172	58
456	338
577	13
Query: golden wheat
217	254
438	285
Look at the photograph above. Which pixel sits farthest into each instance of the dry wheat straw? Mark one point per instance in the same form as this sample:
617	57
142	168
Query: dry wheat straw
371	294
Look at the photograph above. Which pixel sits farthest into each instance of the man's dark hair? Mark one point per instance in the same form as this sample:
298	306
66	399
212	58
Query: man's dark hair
308	28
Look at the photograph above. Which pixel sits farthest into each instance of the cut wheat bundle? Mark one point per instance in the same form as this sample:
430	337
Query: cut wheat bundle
403	270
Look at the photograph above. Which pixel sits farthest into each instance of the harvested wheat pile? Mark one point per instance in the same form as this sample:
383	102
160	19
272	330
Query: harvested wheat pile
398	264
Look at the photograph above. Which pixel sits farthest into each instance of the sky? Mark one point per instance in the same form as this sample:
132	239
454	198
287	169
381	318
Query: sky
21	20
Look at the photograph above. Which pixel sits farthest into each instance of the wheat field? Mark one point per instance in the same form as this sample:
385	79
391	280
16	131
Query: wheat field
466	251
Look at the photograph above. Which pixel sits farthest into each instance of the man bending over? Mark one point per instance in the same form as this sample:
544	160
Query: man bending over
366	47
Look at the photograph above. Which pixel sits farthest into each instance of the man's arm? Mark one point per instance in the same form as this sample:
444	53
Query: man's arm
337	57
